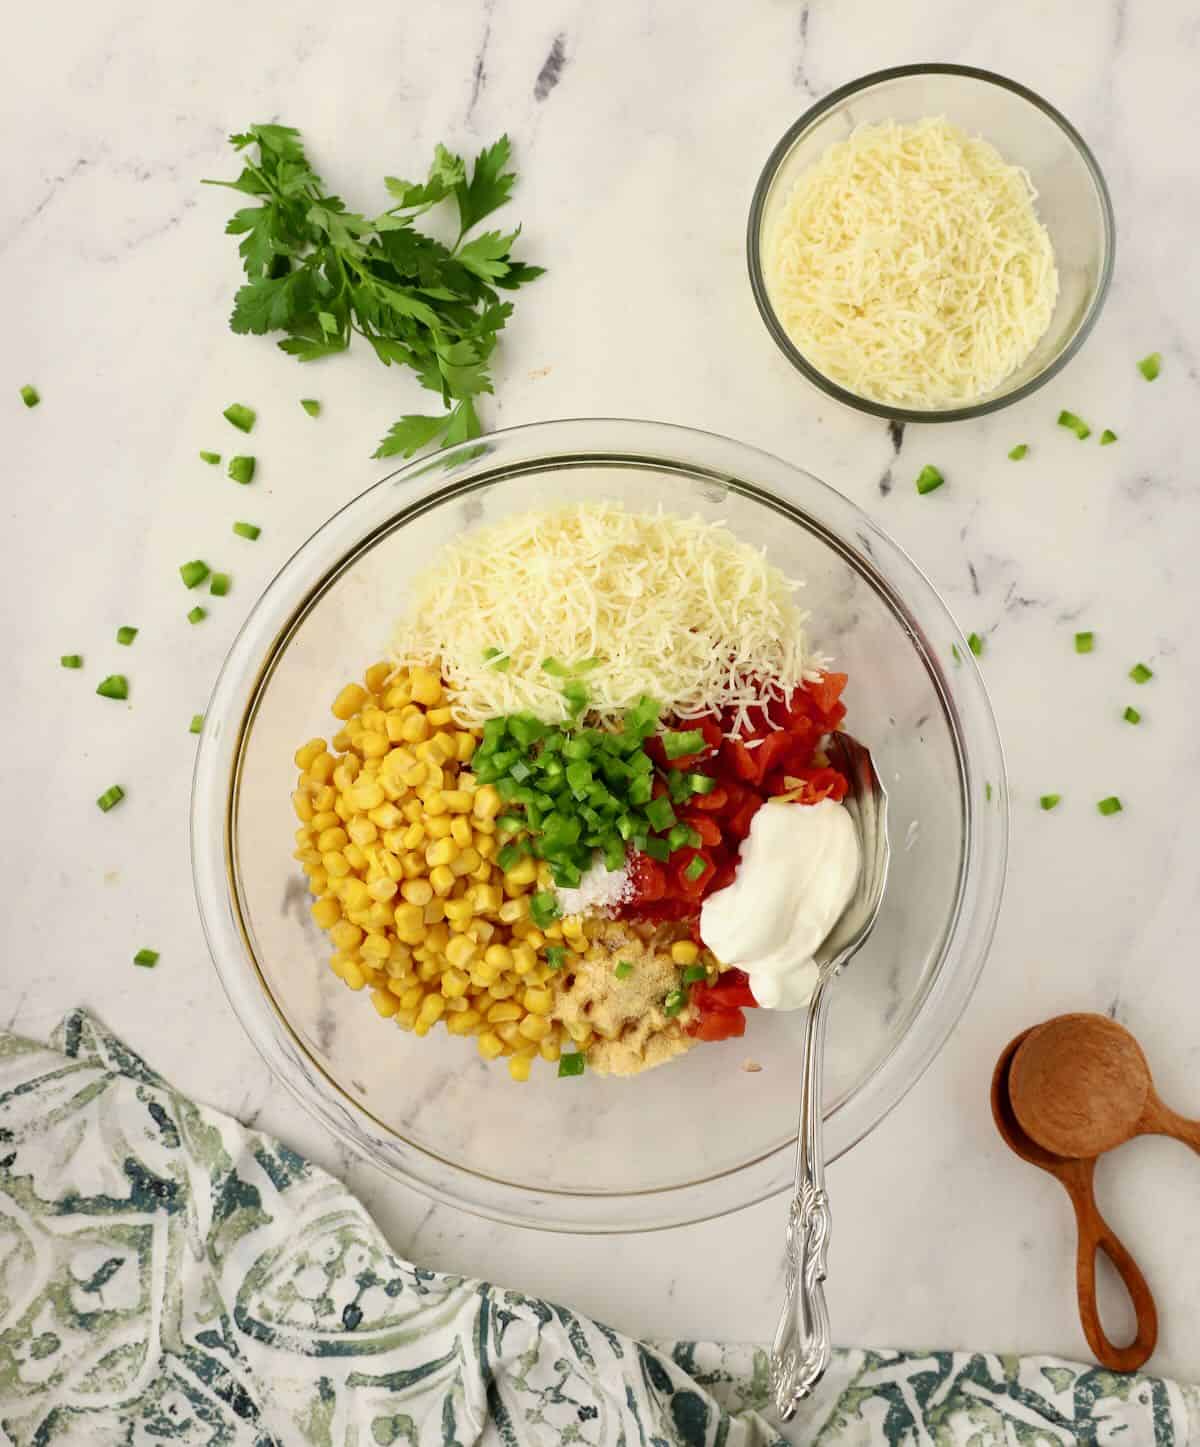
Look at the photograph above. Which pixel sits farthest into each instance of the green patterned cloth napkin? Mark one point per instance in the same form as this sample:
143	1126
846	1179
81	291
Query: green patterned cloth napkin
167	1276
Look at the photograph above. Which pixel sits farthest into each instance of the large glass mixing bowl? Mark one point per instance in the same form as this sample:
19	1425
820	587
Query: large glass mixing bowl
700	1136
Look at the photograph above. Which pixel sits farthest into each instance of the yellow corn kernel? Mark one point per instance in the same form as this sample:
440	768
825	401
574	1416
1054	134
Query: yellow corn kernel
483	974
326	819
320	771
377	675
349	701
382	890
534	1027
385	816
441	851
464	747
442	880
414	729
415	776
333	838
302	804
685	952
437	937
356	859
318	880
540	1002
482	931
579	945
523	873
440	827
513	910
414	836
346	773
504	1010
458	801
355	894
459	912
367	795
412	997
405	1018
410	927
510	1035
362	831
375	949
433	802
305	755
462	861
518	1067
460	831
432	1008
417	891
335	864
581	1034
454	984
326	912
372	745
553	932
440	716
391	866
434	911
461	1022
353	975
524	959
437	750
487	802
535	939
398	693
345	936
426	687
500	956
572	926
393	726
460	951
490	1045
550	1049
385	1002
503	989
413	864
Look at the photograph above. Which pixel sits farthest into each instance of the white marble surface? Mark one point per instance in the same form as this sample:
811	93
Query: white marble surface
636	169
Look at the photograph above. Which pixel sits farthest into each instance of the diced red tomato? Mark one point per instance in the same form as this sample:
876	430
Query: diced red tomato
826	691
708	829
731	992
718	1025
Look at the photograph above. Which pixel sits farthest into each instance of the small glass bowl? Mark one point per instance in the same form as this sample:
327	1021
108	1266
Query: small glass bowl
700	1136
1073	204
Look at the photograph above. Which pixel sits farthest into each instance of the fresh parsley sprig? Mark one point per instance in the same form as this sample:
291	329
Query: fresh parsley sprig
321	273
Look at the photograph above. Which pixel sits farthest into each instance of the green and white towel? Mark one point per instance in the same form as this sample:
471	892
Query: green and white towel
167	1276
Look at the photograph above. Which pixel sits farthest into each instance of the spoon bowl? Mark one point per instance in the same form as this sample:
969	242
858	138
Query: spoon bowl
802	1347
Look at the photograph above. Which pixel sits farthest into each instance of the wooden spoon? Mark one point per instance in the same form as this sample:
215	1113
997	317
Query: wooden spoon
1077	1177
1080	1085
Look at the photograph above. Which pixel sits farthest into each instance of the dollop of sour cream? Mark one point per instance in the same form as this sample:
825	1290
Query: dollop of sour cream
797	871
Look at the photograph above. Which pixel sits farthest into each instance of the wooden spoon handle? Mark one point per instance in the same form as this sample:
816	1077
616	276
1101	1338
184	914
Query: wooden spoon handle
1095	1235
1162	1120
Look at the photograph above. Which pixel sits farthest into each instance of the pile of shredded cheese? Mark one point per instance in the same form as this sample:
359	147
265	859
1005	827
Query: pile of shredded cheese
639	604
909	265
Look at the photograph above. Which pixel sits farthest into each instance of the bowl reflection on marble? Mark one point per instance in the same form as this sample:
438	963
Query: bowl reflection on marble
700	1136
1072	203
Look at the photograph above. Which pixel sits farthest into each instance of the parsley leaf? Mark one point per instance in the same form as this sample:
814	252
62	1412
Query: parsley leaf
319	273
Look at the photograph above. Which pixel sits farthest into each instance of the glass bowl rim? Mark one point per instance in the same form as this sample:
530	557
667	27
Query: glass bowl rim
264	637
781	150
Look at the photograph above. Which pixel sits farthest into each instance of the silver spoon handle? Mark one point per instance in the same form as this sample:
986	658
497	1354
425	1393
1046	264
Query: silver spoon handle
802	1347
